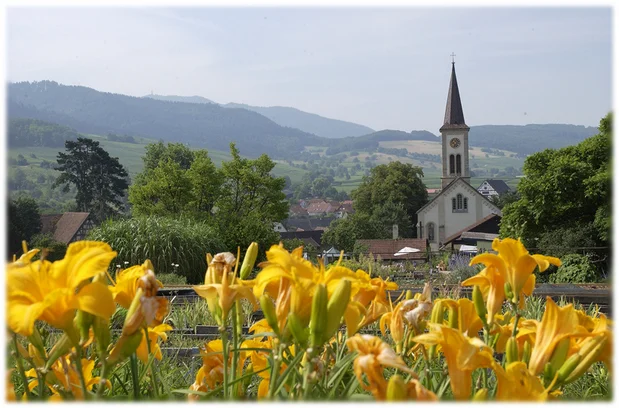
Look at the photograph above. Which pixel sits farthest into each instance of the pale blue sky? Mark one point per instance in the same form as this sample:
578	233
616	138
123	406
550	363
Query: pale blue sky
384	68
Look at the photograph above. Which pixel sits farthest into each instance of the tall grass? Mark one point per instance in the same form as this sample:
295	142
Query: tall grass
165	241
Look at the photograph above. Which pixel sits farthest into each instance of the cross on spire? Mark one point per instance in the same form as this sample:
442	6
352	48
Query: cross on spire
452	57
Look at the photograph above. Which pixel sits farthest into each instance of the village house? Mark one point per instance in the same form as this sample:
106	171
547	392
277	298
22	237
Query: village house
68	227
491	188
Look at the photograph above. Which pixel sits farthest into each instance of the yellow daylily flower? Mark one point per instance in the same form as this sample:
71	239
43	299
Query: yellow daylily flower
228	290
291	281
491	282
52	292
516	383
27	256
127	283
211	374
373	356
397	390
469	322
557	323
463	355
154	334
515	265
10	387
65	375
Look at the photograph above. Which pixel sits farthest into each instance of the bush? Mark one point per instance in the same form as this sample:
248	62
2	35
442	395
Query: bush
165	241
55	249
575	268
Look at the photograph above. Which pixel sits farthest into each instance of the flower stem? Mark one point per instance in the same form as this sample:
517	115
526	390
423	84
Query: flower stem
78	365
104	369
224	343
235	345
153	379
277	358
20	368
134	376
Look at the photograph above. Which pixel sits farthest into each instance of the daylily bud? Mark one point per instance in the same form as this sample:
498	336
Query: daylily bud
336	306
568	367
299	332
526	353
453	317
549	374
83	321
560	354
318	319
101	329
480	306
511	350
396	389
249	260
134	318
36	356
589	354
437	312
125	346
62	346
481	395
409	294
509	294
37	341
268	309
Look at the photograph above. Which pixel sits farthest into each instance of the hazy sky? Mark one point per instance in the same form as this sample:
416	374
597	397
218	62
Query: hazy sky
384	68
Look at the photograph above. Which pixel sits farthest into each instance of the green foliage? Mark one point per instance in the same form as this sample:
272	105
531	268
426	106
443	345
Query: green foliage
165	241
171	279
575	268
565	187
23	132
344	232
24	221
100	180
396	183
504	199
55	250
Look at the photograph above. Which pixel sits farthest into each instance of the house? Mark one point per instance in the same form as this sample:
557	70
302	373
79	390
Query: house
297	211
310	238
321	207
493	188
308	224
387	248
68	227
479	235
279	227
458	205
344	209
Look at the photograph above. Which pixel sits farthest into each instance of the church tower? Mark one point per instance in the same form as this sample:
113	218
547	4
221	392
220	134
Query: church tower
455	136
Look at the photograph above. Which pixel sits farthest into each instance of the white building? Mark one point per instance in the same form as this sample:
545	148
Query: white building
493	188
458	205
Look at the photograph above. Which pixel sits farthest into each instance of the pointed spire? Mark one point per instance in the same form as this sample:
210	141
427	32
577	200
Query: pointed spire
454	116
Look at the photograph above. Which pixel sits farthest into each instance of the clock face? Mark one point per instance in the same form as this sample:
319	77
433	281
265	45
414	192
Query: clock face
455	142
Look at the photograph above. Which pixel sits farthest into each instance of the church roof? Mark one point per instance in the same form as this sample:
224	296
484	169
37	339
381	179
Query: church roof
488	225
454	116
448	188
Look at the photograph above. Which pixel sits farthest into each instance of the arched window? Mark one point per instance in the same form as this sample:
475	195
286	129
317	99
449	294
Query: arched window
453	204
459	201
431	231
458	165
466	203
452	165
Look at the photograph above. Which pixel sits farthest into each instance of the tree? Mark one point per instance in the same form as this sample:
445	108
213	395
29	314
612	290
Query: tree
177	152
24	222
502	200
100	180
249	188
344	232
564	188
206	182
397	183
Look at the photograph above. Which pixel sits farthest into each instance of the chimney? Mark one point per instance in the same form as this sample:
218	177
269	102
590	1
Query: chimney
395	231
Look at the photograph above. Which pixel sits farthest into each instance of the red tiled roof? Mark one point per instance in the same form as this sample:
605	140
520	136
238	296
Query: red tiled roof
319	207
386	248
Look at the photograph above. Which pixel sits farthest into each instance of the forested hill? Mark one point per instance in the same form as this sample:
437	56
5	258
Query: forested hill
529	139
37	133
290	117
200	125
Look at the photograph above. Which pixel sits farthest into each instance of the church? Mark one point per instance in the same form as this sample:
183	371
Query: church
458	205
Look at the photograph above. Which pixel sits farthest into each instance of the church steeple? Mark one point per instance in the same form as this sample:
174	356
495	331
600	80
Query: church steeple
454	116
455	136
